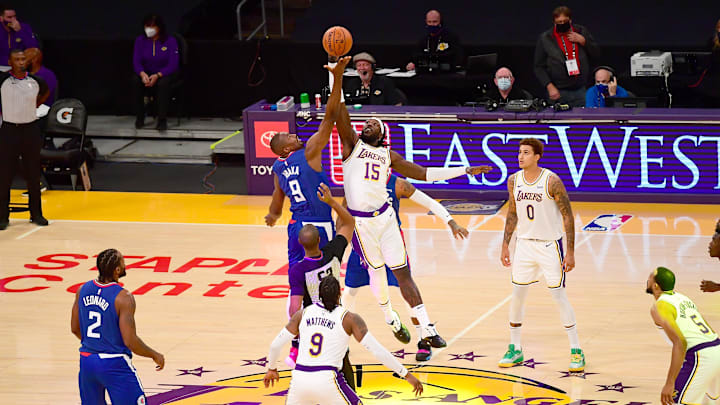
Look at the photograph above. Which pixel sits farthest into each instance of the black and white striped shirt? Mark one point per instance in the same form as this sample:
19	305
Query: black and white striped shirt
20	97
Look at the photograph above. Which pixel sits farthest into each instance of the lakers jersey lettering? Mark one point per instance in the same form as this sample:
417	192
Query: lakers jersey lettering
365	175
538	214
323	340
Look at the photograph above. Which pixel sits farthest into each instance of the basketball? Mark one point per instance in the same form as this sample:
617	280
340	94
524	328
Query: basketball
337	41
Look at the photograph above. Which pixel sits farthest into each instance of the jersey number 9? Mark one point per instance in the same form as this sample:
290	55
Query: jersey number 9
296	191
316	341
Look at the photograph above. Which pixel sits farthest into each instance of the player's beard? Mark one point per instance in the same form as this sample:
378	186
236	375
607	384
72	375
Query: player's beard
649	291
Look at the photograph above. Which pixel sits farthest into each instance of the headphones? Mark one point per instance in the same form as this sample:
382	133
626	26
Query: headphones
604	67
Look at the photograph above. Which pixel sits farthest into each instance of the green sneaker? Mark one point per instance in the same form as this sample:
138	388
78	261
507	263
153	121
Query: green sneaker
512	357
577	360
401	332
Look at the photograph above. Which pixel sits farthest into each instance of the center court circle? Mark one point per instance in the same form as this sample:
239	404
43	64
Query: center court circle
442	384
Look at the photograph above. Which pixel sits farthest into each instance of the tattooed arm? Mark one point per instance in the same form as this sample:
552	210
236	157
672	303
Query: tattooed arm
559	194
511	220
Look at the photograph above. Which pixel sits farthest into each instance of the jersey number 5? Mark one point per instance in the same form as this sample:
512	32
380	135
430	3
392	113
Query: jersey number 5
296	191
91	328
704	329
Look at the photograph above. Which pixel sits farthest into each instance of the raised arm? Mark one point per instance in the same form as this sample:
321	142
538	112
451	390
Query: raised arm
404	188
348	135
125	306
417	172
559	194
345	224
276	203
317	142
511	220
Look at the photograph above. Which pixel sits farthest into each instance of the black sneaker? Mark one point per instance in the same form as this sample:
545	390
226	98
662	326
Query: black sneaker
434	337
39	220
424	352
4	225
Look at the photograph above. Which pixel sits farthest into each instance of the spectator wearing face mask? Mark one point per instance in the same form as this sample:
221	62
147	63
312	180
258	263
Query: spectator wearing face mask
563	57
504	89
14	35
438	43
606	86
155	62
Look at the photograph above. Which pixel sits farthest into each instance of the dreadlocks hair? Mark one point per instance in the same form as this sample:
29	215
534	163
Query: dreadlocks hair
107	261
329	292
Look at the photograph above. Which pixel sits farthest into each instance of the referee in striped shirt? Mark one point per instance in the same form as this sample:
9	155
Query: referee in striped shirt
20	94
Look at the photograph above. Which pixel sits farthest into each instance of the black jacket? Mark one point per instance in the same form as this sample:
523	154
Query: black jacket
453	54
382	91
550	60
516	93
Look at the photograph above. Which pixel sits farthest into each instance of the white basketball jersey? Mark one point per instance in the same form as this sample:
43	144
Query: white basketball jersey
365	177
538	215
323	340
691	324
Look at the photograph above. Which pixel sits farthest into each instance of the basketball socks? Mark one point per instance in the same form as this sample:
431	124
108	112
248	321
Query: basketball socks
515	332
573	337
387	311
418	327
348	297
421	314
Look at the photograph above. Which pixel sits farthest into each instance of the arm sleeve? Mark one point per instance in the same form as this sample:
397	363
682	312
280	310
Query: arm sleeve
137	56
444	173
283	338
431	204
382	354
336	247
173	57
540	63
297	282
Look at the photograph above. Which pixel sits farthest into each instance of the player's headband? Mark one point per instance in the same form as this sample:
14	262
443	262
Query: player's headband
382	125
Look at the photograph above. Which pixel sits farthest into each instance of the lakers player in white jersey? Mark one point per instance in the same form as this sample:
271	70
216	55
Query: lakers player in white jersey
325	330
366	167
694	374
540	208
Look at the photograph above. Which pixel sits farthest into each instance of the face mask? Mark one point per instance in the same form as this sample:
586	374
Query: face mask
433	29
504	83
602	88
150	32
565	27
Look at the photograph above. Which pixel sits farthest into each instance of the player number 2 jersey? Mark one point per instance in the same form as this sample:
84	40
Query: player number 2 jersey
691	324
538	215
365	176
323	340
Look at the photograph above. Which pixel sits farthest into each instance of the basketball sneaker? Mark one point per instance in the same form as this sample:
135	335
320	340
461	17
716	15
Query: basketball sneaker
424	352
512	357
577	360
432	335
401	332
291	359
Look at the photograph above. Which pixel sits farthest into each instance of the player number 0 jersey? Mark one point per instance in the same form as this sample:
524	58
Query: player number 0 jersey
323	340
538	215
365	177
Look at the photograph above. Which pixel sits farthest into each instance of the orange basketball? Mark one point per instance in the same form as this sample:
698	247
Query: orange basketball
337	41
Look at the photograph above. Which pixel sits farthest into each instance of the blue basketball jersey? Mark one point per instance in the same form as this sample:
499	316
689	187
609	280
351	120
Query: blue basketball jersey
300	182
99	320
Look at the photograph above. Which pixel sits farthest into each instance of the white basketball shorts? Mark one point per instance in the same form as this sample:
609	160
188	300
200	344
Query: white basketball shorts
378	241
533	257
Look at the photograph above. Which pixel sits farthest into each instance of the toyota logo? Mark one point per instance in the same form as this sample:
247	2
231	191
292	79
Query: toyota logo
266	137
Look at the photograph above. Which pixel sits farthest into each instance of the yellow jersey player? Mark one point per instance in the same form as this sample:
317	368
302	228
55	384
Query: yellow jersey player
688	380
539	207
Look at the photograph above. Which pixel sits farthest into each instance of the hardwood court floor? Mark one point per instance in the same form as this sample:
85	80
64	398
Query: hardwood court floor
215	323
